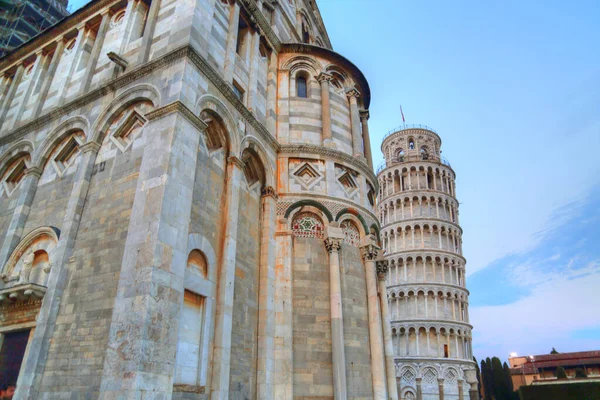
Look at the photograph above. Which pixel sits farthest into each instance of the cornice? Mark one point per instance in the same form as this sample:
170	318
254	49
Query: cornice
336	154
95	94
415	285
177	107
315	196
227	91
420	253
415	163
411	322
359	77
263	25
51	33
421	221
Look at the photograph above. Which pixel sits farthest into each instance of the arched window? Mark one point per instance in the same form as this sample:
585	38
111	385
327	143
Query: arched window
400	155
301	89
305	34
411	143
424	154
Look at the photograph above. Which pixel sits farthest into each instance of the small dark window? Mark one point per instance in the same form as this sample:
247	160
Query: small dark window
446	352
411	144
305	34
239	92
11	355
301	87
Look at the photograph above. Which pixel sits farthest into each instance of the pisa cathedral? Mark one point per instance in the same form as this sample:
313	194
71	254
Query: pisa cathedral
188	210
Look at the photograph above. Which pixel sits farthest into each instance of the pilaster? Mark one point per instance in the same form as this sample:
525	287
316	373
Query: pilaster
370	251
225	286
382	272
139	357
333	243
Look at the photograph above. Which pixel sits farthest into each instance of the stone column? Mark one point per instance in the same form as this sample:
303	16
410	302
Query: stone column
473	392
95	54
225	288
272	94
419	389
39	104
10	95
382	271
364	119
79	46
461	395
144	54
333	243
324	78
441	388
253	74
283	366
34	78
14	233
352	95
370	252
35	360
139	360
234	18
266	296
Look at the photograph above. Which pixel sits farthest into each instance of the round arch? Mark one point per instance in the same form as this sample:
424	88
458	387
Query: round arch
78	123
211	103
313	203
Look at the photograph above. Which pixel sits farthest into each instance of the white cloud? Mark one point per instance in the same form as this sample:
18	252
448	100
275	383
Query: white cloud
565	303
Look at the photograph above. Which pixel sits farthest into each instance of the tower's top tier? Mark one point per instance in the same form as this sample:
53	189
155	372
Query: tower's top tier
411	143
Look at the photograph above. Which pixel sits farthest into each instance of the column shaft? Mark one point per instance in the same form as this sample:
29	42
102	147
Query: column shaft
333	245
39	105
324	79
144	54
10	95
266	297
364	118
91	67
35	361
370	252
382	271
355	121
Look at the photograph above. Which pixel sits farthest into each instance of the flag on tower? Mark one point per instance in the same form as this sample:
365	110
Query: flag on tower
401	112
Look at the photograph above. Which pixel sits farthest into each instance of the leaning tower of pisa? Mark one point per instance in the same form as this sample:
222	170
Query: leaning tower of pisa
422	242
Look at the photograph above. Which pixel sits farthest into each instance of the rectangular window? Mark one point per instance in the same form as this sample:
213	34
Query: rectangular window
11	355
239	92
241	45
187	362
446	352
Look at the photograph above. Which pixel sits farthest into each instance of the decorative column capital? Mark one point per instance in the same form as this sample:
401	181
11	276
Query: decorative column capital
440	381
233	160
90	146
370	252
333	244
382	269
364	115
269	191
34	171
352	93
324	77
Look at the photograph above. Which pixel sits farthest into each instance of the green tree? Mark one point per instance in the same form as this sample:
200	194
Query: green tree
479	378
554	351
501	390
487	378
580	373
561	373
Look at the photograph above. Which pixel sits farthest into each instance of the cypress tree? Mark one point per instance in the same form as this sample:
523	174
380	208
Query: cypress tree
490	391
479	378
500	385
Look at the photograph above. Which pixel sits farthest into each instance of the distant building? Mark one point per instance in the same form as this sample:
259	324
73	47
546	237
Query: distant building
26	18
527	370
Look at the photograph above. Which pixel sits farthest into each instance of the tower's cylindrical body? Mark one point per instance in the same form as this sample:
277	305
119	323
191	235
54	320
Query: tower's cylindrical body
422	240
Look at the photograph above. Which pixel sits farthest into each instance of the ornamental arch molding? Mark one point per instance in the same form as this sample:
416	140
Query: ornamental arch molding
211	103
130	96
302	63
66	128
24	148
253	143
43	238
313	203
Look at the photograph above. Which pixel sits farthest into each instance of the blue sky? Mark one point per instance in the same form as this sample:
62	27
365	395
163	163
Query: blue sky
513	88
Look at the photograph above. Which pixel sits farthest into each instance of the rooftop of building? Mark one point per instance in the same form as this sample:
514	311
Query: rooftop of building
575	359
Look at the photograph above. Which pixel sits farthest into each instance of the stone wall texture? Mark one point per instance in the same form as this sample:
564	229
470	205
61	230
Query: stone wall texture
152	151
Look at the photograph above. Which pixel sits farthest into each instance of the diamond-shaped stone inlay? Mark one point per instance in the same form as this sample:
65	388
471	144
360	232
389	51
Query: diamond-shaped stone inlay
307	176
408	376
430	375
450	376
128	131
